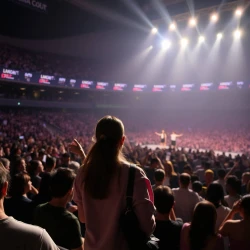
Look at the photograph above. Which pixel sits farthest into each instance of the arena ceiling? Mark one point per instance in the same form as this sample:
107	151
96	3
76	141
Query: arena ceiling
27	19
95	29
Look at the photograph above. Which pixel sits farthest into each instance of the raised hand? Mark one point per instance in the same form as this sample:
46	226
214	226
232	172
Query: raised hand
76	148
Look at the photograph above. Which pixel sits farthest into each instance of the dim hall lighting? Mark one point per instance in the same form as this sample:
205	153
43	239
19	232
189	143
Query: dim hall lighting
219	35
237	33
239	12
192	22
184	42
214	17
201	39
172	26
165	44
154	30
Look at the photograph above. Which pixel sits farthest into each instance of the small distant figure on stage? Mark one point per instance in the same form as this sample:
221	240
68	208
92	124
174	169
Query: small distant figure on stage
163	137
173	138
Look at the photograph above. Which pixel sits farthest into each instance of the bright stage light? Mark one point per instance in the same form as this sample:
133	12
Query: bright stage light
237	33
219	36
154	30
151	47
172	26
239	12
184	42
192	22
201	39
214	17
165	44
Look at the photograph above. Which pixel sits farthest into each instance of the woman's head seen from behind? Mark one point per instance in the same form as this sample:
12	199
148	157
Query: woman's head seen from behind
169	169
202	225
104	157
20	184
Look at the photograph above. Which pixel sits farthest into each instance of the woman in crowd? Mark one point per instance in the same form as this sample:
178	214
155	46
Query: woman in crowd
215	194
100	189
34	170
238	230
18	205
201	233
171	179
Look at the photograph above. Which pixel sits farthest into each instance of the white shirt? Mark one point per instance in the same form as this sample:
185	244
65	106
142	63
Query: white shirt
231	200
173	137
185	201
222	212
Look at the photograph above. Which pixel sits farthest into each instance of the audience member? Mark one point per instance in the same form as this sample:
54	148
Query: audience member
185	199
209	177
233	187
245	180
15	234
171	179
221	179
100	189
6	163
62	226
168	228
159	178
201	233
215	195
18	205
35	169
238	230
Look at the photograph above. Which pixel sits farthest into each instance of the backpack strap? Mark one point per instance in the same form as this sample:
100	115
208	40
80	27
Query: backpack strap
130	188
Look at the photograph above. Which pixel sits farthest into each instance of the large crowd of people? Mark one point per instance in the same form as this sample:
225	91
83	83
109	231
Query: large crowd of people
44	63
189	199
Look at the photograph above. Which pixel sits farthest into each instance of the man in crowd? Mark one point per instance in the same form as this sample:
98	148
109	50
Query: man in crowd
15	234
159	178
185	199
221	179
168	229
62	226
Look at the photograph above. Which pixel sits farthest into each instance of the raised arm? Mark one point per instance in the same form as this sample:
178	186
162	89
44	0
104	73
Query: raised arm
236	164
178	135
76	148
158	134
223	230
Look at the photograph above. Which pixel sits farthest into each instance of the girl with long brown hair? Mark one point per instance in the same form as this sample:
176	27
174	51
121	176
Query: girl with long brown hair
100	189
200	234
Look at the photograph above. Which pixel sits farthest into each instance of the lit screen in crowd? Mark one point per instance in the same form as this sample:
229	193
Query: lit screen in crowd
225	85
10	74
72	83
102	85
139	87
159	88
46	79
187	87
61	81
86	85
206	86
120	86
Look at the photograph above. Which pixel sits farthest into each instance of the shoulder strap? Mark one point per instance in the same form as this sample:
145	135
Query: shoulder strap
130	187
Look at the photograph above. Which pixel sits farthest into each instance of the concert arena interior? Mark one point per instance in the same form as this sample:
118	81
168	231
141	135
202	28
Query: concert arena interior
98	96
